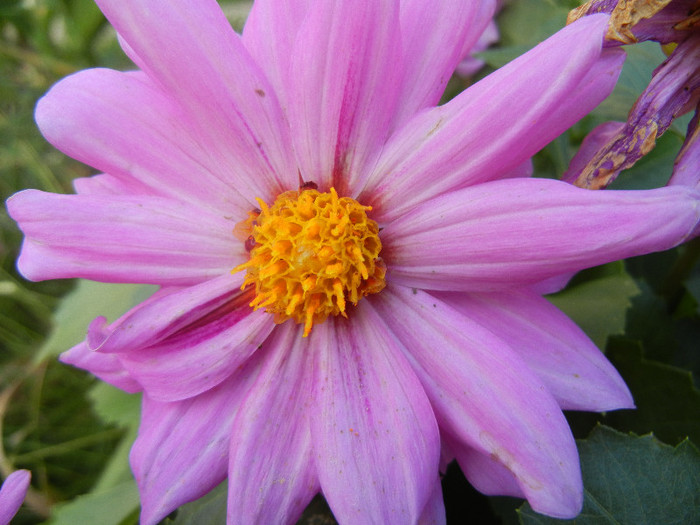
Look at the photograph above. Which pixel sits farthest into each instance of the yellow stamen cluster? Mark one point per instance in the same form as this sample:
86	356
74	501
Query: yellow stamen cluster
313	252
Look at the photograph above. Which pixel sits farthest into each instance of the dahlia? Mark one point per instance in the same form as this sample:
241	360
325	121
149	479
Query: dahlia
349	275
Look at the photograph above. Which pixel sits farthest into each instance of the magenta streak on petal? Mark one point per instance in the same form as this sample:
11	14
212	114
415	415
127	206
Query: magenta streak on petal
375	437
272	476
343	83
200	335
168	312
200	355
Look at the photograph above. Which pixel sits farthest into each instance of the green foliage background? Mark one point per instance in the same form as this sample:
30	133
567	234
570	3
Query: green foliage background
74	433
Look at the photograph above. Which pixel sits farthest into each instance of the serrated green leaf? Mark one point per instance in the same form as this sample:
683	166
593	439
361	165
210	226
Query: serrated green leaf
110	507
599	306
667	401
88	301
116	406
210	509
633	480
117	470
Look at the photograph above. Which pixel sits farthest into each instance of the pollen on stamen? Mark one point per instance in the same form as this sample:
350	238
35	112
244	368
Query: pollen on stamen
310	254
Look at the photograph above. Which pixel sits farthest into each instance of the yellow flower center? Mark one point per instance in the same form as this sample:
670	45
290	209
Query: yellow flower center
310	254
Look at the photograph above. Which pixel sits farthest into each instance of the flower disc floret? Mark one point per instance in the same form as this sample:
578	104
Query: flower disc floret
313	253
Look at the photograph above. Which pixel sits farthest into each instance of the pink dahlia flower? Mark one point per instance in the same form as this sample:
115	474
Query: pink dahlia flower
12	494
392	251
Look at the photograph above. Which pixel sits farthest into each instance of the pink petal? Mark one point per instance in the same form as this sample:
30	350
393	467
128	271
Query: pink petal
343	84
269	35
498	123
118	238
166	314
487	474
685	169
375	437
181	452
522	170
123	124
271	472
521	231
434	510
200	356
107	367
105	184
572	368
552	284
470	64
486	398
12	494
435	36
189	48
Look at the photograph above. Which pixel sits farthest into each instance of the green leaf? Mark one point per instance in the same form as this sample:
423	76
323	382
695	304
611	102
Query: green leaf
116	406
88	301
111	507
649	322
633	480
667	401
599	305
526	23
500	56
210	509
117	469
